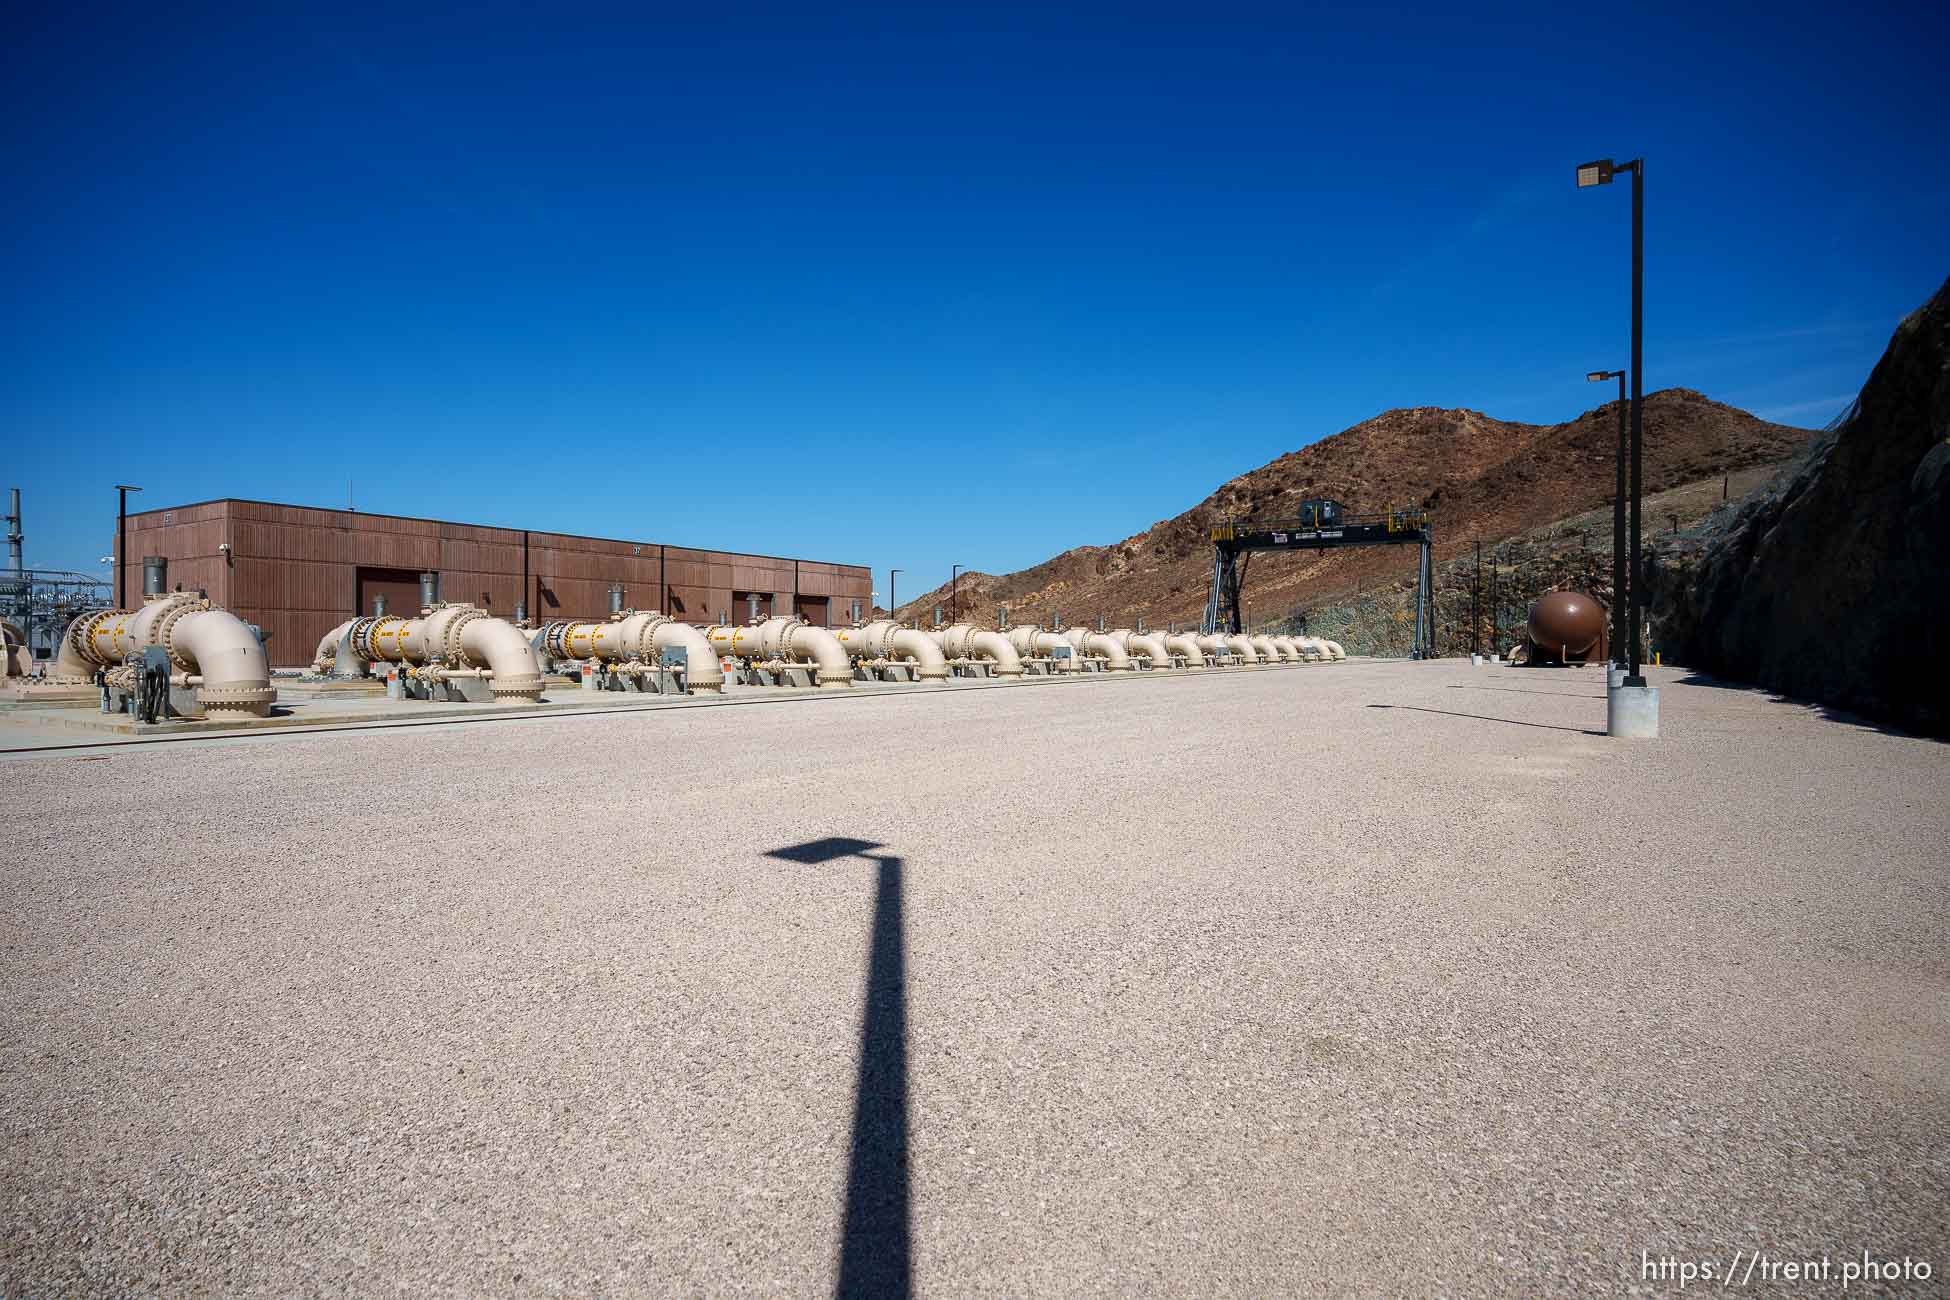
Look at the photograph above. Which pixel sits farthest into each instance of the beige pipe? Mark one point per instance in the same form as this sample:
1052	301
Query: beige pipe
1283	646
1148	644
1035	643
1311	649
1180	643
1243	647
214	646
455	636
966	641
499	646
1101	645
638	636
886	639
788	638
19	657
1214	645
702	671
326	659
1263	647
221	648
78	657
1334	650
328	647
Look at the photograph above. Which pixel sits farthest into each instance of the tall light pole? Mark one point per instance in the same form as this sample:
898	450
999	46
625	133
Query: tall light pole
1632	708
1601	173
954	593
122	491
1619	593
891	605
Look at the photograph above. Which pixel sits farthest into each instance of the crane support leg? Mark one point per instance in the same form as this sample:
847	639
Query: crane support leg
1424	608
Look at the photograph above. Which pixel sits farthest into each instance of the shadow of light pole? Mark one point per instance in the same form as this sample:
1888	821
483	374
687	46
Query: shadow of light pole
876	1242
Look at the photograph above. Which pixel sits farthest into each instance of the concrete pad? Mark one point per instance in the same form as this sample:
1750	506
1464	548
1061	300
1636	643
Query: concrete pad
1400	979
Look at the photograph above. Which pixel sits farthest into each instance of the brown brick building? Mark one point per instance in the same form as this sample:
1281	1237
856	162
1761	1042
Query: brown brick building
298	571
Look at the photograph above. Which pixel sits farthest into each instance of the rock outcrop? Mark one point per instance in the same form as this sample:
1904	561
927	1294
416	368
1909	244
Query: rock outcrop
1832	587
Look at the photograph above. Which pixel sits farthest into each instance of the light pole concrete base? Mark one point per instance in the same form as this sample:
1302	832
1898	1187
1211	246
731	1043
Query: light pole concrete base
1632	712
1475	661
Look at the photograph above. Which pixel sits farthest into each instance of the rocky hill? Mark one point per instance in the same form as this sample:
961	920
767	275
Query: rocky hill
1481	479
1828	584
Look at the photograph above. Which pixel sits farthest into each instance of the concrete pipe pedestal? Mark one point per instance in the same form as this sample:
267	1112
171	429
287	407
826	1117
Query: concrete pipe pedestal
1615	676
1632	712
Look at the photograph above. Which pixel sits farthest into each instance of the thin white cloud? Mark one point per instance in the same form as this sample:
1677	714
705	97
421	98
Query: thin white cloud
1802	408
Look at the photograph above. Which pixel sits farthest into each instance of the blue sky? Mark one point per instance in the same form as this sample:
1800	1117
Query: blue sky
914	286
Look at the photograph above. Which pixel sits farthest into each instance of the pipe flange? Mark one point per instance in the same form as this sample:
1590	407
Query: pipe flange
361	637
450	650
220	696
81	632
526	687
165	628
643	644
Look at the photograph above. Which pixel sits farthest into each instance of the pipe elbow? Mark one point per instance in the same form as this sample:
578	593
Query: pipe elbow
835	667
922	649
72	663
221	649
1097	643
702	671
498	645
1152	647
1243	647
996	647
1188	647
328	647
326	657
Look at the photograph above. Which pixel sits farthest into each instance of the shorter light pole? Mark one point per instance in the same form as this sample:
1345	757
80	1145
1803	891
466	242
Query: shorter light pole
1620	592
954	593
891	606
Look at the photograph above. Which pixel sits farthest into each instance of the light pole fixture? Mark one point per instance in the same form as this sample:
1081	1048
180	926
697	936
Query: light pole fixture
1619	593
122	491
1590	174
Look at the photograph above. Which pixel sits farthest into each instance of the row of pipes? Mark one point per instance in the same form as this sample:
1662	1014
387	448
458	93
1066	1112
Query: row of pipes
632	642
219	661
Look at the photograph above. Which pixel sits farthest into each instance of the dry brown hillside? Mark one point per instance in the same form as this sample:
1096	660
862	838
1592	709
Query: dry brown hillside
1481	479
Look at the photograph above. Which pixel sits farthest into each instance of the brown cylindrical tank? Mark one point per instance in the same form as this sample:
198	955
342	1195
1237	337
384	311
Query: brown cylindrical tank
1567	626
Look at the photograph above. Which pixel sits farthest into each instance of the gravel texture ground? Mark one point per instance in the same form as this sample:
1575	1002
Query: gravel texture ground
1368	978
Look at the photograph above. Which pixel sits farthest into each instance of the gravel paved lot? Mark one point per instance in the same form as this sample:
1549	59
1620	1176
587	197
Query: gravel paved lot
1375	977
